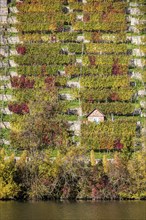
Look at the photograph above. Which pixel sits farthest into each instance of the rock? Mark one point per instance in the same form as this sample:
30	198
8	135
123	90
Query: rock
71	84
75	126
13	52
8	85
67	9
79	17
137	111
3	52
64	50
136	40
3	3
80	38
3	11
12	63
5	125
133	4
75	111
12	20
6	111
143	131
5	78
138	62
129	38
138	123
12	30
13	9
61	72
14	40
138	52
3	19
134	21
3	64
5	97
66	97
79	60
143	114
12	73
142	92
136	75
6	142
134	11
143	104
86	41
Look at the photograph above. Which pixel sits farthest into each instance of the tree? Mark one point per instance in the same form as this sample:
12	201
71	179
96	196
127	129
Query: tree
92	158
105	164
137	171
42	127
8	187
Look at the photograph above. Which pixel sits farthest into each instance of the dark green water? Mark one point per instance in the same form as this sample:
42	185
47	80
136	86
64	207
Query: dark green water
125	210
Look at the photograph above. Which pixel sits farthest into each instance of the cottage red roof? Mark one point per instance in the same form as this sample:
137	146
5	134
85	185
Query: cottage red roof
95	113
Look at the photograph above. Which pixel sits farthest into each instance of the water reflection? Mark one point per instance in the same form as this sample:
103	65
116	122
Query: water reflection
81	210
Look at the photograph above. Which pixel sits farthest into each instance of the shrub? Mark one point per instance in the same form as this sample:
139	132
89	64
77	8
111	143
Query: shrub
20	109
21	50
22	82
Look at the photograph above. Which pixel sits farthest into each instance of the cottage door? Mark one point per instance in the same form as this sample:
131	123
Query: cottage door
96	119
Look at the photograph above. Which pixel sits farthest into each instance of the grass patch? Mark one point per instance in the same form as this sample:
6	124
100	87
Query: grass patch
5	133
6	91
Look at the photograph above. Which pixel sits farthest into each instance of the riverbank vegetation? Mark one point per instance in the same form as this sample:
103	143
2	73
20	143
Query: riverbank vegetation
36	175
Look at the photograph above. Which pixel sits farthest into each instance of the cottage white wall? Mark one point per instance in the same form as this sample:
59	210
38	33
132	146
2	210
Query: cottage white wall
92	119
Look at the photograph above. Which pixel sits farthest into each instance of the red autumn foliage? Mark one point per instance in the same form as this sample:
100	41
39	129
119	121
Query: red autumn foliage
50	82
92	60
43	68
21	50
53	135
116	68
104	16
20	109
96	37
94	192
114	96
118	145
91	100
86	17
46	139
22	82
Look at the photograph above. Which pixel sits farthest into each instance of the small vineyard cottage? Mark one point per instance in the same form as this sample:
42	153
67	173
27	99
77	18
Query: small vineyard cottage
96	116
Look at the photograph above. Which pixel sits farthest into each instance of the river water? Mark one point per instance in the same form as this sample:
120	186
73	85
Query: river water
82	210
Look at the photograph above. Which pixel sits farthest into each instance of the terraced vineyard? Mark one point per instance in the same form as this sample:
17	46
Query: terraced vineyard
73	99
81	55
